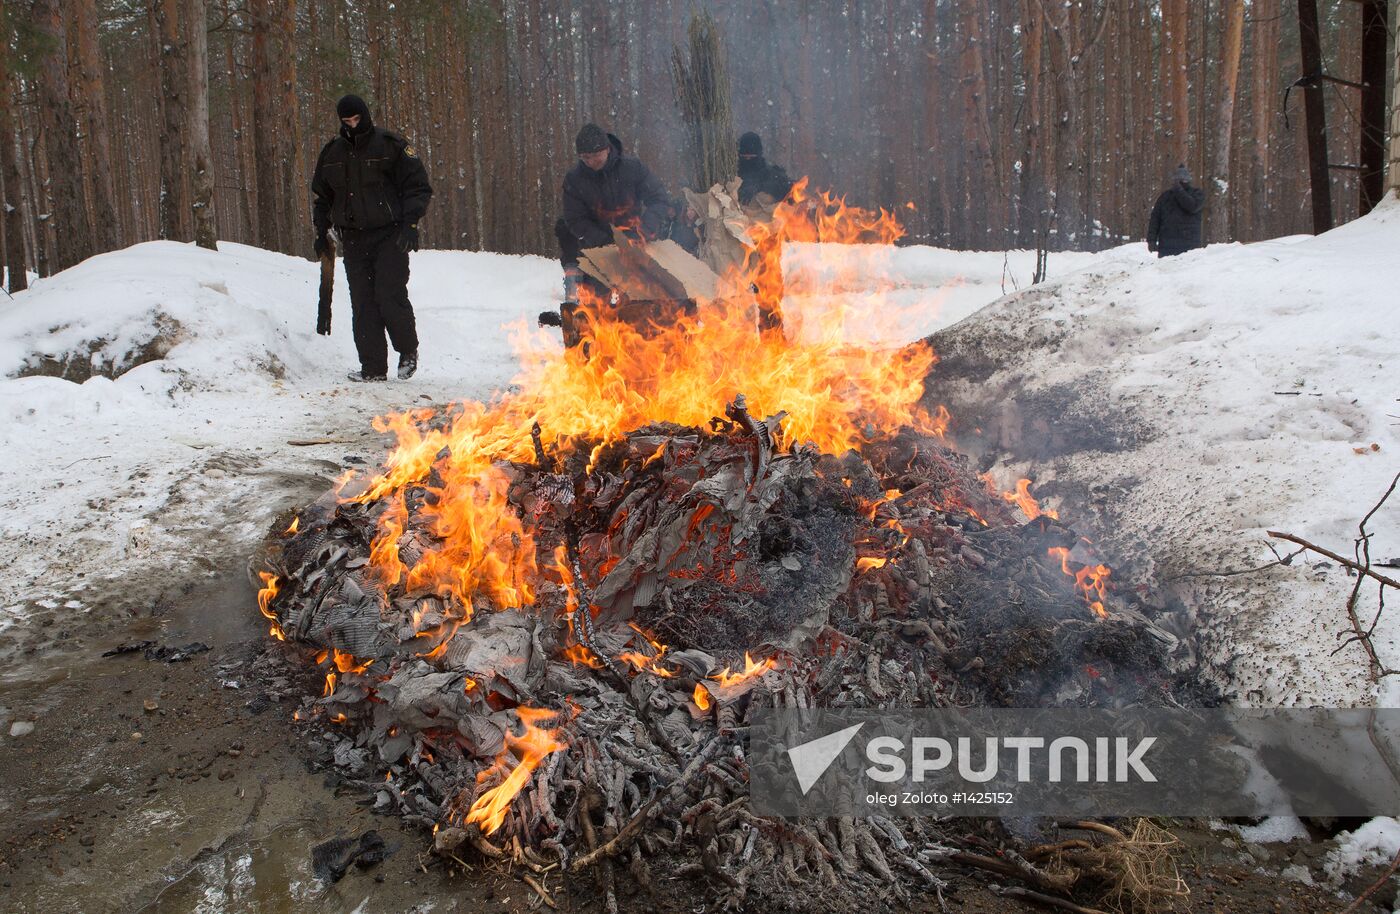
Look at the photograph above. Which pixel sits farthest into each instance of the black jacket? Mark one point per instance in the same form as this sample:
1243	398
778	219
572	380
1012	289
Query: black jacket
1175	226
368	181
622	193
761	176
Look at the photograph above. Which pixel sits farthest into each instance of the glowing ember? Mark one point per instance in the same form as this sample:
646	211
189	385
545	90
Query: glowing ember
530	748
701	697
865	563
1023	499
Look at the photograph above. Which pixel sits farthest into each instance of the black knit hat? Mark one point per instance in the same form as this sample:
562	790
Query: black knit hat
750	145
590	139
351	105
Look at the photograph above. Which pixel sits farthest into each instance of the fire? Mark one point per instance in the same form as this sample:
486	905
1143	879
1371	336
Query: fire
725	678
265	597
647	663
867	562
701	697
296	525
1092	580
1023	499
835	395
530	749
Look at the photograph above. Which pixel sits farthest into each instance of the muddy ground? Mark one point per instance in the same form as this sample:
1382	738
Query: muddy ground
178	787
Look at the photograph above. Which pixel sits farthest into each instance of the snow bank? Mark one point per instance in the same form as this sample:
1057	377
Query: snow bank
1181	407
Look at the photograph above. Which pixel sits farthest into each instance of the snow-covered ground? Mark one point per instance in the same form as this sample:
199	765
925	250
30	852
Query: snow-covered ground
1180	408
184	460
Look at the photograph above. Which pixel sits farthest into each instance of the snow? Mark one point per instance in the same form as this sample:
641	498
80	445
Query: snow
895	294
1375	843
1274	829
1176	409
184	459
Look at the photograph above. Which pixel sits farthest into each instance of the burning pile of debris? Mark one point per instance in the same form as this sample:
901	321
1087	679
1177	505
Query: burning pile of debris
545	623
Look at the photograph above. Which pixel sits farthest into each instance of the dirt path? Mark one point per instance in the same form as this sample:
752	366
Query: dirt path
162	787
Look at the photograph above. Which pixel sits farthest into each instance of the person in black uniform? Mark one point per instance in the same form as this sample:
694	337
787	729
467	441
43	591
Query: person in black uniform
371	186
759	176
1175	225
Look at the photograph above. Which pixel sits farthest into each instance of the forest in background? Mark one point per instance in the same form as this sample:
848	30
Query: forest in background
1003	122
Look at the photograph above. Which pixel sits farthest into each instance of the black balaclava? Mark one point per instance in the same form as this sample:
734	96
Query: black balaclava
349	106
750	145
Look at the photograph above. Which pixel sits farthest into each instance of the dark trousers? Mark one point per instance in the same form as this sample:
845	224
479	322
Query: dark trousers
569	248
377	272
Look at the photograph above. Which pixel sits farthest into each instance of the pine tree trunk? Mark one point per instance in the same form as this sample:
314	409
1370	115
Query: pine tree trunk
1069	135
980	190
1176	21
1393	174
265	118
70	231
1032	221
293	217
91	98
1231	43
176	201
15	266
202	180
1264	102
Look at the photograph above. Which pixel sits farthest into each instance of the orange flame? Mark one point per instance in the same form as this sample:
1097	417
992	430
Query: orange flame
1023	499
867	562
530	748
701	697
725	678
266	595
296	525
1092	580
835	395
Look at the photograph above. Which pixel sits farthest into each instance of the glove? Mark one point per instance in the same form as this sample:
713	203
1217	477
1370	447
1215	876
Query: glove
322	246
408	238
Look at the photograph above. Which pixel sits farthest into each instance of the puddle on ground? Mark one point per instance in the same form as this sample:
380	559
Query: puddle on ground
273	876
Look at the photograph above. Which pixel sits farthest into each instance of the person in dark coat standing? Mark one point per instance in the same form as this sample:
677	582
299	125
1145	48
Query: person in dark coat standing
1175	226
371	186
607	189
758	175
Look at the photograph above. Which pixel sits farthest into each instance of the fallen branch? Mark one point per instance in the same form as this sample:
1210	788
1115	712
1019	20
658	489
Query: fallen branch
1362	566
1320	550
539	890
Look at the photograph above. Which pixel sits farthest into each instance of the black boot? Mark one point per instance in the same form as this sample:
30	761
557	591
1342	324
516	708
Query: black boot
408	364
360	376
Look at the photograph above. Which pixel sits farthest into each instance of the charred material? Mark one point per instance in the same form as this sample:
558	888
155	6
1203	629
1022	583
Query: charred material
594	734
